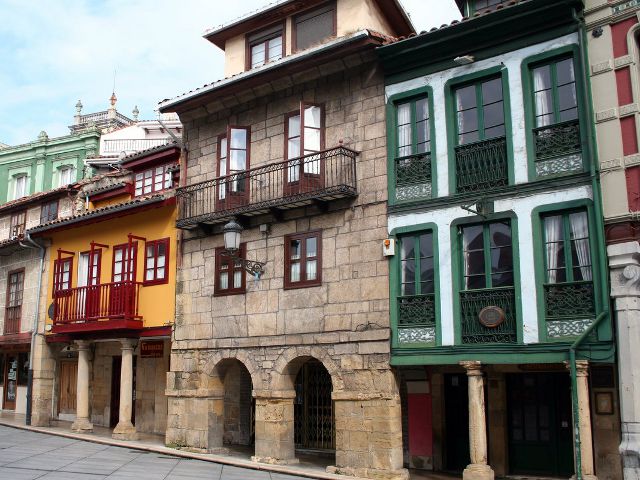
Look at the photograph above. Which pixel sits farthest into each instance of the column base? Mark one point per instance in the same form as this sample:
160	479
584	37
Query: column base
82	425
275	461
476	471
630	451
124	431
401	474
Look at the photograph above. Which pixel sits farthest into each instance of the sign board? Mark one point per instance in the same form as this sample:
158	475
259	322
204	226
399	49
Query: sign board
152	349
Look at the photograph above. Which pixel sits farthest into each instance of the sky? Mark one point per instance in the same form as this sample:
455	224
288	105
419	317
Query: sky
56	52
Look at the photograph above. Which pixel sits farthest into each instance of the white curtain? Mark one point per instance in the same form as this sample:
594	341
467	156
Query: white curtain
553	238
404	129
222	190
541	87
580	234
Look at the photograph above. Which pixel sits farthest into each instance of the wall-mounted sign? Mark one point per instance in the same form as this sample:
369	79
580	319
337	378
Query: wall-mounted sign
152	349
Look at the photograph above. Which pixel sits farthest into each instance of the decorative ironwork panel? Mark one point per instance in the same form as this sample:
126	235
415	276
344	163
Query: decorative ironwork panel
413	177
482	165
417	335
313	408
567	328
557	166
569	300
558	140
473	301
417	310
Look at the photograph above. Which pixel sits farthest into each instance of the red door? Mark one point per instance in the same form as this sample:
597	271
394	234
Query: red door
234	148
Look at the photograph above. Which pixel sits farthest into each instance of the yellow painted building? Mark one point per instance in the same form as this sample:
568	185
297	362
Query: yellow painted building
111	297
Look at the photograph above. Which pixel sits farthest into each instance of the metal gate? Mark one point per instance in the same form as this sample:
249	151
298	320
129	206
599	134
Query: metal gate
314	423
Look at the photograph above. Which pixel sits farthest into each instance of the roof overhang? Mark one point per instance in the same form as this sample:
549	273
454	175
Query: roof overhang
151	157
279	10
37	198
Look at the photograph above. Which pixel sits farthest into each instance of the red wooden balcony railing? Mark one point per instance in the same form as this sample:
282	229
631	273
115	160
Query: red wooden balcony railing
83	308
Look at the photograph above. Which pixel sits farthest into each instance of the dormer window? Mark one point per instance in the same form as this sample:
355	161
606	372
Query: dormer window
313	27
266	46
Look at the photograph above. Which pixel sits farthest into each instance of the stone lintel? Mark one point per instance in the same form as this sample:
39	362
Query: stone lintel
200	393
274	394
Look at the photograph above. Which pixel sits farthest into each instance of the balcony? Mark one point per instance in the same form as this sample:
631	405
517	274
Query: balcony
473	301
481	166
132	144
570	308
558	148
317	178
109	306
417	319
413	177
12	318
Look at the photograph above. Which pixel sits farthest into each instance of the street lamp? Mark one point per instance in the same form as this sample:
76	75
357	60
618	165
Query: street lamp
232	238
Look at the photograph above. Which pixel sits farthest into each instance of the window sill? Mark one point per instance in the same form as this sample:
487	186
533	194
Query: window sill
297	285
151	283
228	293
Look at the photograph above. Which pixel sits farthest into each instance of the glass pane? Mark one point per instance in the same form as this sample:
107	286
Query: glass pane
223	147
224	280
469	137
238	138
408	289
494	132
311	140
295	249
423	136
468	121
564	71
295	272
475	282
474	262
293	149
567	97
426	245
408	273
472	237
238	160
237	279
407	248
422	110
493	115
294	126
149	275
312	116
500	234
426	270
466	98
311	247
275	49
150	262
311	269
257	55
570	114
542	78
492	91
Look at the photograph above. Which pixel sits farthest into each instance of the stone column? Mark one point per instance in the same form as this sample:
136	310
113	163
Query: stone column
82	423
274	427
584	412
478	469
125	429
624	265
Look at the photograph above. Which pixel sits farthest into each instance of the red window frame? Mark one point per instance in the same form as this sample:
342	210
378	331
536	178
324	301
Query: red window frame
18	224
155	245
302	237
13	309
59	286
153	174
97	263
124	247
264	36
225	263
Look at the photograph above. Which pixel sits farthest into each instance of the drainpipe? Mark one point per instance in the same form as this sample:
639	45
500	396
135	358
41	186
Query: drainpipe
34	331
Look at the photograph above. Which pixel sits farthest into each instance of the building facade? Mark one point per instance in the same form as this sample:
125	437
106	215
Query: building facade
293	356
501	331
612	33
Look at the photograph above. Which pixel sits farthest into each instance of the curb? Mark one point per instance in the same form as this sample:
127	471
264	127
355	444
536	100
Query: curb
222	460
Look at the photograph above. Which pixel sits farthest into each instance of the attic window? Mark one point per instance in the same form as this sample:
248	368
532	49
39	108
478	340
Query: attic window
266	46
313	27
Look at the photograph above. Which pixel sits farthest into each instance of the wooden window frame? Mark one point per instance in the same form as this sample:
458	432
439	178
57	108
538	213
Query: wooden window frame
300	112
220	259
294	23
154	174
250	43
155	244
16	230
91	281
227	135
288	283
48	217
124	247
7	305
57	275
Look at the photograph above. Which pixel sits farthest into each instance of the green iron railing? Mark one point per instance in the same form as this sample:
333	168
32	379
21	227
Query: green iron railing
482	165
413	176
569	300
473	301
417	310
557	140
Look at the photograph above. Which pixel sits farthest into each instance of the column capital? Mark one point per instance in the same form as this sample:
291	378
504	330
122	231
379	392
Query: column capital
82	344
128	343
473	367
582	368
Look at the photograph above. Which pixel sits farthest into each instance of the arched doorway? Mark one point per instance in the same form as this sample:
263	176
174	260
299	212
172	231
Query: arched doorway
239	407
314	423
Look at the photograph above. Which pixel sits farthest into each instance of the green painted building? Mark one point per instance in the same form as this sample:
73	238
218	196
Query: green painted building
501	329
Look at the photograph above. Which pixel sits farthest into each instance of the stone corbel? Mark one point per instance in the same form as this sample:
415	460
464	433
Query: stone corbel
624	264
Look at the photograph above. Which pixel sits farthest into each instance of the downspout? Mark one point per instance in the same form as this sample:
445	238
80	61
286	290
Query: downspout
34	330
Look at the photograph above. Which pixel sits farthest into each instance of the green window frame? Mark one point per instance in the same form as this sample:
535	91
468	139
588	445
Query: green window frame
416	257
473	102
557	79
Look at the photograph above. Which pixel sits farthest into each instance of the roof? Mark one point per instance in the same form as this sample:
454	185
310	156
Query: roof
36	197
279	9
277	66
149	151
105	188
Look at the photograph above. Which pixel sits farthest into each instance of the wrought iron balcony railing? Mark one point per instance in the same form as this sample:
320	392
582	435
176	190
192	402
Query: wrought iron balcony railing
132	144
417	310
482	165
558	148
90	304
413	177
319	177
473	301
569	300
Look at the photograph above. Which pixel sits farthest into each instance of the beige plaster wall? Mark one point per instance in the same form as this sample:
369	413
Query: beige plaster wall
234	56
354	15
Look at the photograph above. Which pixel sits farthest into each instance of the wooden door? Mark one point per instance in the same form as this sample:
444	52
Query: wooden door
234	151
11	382
68	386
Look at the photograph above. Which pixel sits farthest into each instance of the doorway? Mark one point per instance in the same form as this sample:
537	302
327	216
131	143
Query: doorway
456	396
313	408
540	424
68	386
114	414
10	382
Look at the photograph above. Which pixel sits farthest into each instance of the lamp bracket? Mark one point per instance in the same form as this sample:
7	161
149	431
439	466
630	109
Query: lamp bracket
250	266
482	208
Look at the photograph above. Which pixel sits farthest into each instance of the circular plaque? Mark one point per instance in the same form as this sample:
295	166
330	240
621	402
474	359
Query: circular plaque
50	311
491	317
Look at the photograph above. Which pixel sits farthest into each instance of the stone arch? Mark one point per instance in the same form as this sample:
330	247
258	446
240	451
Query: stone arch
218	362
290	361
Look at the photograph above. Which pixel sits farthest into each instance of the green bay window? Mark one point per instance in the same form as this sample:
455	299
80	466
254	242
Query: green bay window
413	150
487	283
481	145
556	132
416	300
568	289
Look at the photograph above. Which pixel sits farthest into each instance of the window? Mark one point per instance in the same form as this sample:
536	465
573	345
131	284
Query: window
313	27
156	255
303	260
18	222
304	131
62	275
66	175
480	111
230	275
13	309
49	212
20	186
233	159
487	256
124	265
554	90
153	180
416	264
266	46
88	276
567	251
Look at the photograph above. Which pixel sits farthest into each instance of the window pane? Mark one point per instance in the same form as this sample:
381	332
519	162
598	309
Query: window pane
238	138
311	140
494	132
426	245
311	269
294	126
149	275
542	78
500	234
426	270
474	262
408	273
295	272
293	149
567	97
257	55
466	98
238	160
295	249
564	71
404	129
312	117
224	280
237	279
407	248
275	49
422	110
311	247
468	121
492	91
472	237
475	282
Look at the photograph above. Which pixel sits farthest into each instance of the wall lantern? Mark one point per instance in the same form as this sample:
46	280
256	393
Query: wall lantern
232	238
